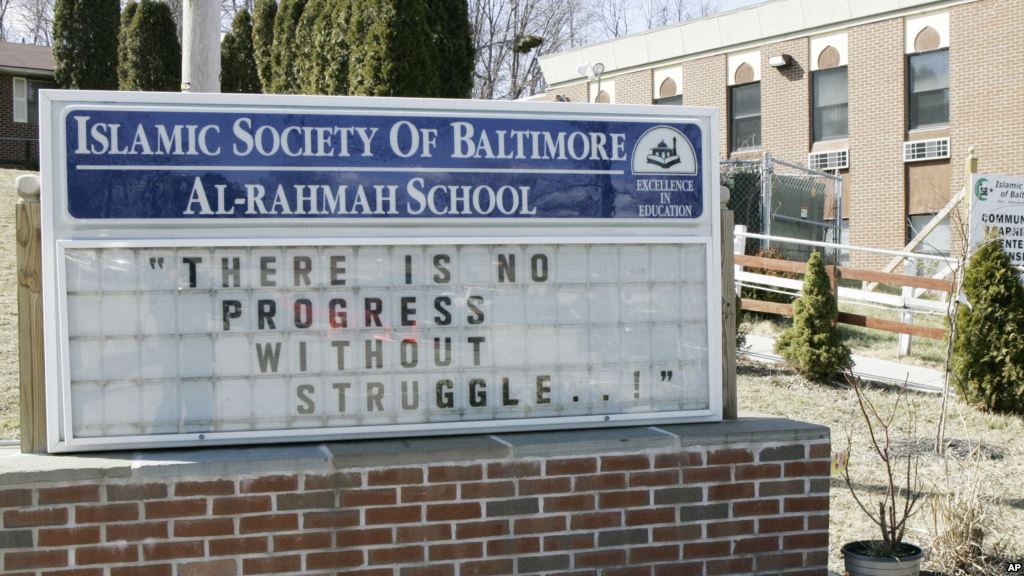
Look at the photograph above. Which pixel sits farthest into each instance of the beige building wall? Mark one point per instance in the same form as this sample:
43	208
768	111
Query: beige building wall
634	88
877	96
578	92
786	102
704	82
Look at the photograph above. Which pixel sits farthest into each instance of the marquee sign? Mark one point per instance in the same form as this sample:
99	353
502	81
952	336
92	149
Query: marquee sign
997	203
226	269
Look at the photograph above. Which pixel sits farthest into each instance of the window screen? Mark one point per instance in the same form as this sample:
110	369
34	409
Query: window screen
745	116
929	89
830	104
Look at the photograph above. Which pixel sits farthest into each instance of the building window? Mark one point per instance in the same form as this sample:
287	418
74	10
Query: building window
745	116
929	89
32	99
676	100
603	98
831	104
938	242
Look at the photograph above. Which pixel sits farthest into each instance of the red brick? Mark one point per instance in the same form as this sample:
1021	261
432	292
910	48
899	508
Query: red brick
15	497
486	529
757	471
361	538
599	482
438	474
679	533
805	468
530	487
680	569
646	516
486	567
395	476
234	505
729	456
820	451
730	491
429	493
35	517
204	488
817	522
756	545
238	546
106	554
706	549
625	463
600	558
271	565
707	474
475	490
679	460
69	494
330	519
801	541
627	499
204	527
733	528
60	537
513	546
426	533
135	492
816	558
596	520
35	559
375	497
782	524
277	483
364	572
107	513
323	499
807	504
428	570
147	570
575	541
730	566
570	466
539	525
135	532
780	561
656	478
645	554
175	508
336	559
68	572
306	541
780	488
571	503
395	555
396	515
441	512
755	508
456	551
513	469
335	481
628	571
172	550
208	568
268	523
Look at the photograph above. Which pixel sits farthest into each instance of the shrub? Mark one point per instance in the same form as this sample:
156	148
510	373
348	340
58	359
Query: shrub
238	66
285	76
813	346
988	349
391	49
264	12
152	50
85	44
122	42
453	41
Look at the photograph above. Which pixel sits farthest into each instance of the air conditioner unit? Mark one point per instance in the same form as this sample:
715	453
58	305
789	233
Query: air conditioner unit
932	149
832	160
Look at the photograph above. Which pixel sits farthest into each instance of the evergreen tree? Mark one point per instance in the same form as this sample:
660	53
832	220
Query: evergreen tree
85	44
390	49
238	66
334	53
122	43
988	351
813	346
453	42
152	49
308	45
285	76
264	13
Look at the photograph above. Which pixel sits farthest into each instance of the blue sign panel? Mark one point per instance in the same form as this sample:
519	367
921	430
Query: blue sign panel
236	165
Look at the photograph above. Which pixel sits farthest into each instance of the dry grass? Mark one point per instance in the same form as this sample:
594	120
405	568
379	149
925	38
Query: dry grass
776	391
8	309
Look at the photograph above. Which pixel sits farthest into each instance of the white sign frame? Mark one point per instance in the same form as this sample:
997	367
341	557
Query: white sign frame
60	230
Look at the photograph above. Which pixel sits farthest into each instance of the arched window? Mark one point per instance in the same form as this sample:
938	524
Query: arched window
603	98
744	74
668	88
927	40
829	58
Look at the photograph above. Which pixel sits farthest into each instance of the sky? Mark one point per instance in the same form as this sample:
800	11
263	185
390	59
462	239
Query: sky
733	4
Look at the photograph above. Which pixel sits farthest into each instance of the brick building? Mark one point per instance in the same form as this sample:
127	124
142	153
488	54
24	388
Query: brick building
24	70
889	93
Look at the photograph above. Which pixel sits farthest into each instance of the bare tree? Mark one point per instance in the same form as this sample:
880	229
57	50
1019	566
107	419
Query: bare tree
228	9
5	15
657	13
35	19
612	18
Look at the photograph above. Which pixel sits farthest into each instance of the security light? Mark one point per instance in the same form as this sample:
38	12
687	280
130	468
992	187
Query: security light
780	61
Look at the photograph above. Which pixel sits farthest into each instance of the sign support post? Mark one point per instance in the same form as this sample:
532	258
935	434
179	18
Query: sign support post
30	316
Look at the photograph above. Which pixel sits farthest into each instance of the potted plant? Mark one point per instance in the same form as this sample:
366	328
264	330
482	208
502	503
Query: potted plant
888	555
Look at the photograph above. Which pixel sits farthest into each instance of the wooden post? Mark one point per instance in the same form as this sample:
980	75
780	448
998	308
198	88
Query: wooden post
30	316
200	46
729	410
910	269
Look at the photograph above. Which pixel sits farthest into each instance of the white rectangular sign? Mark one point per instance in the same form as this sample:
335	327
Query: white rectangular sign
997	204
228	269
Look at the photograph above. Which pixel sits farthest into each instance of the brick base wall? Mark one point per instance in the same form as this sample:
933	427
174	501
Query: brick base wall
656	507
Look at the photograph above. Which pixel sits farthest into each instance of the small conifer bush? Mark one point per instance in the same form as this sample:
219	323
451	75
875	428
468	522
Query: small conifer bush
813	346
988	350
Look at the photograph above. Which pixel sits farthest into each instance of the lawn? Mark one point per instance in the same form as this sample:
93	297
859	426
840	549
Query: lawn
8	309
776	391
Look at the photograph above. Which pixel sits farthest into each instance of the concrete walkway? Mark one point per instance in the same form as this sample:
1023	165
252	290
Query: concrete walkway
885	371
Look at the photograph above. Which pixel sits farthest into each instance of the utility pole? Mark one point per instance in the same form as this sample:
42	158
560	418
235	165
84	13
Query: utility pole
200	46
